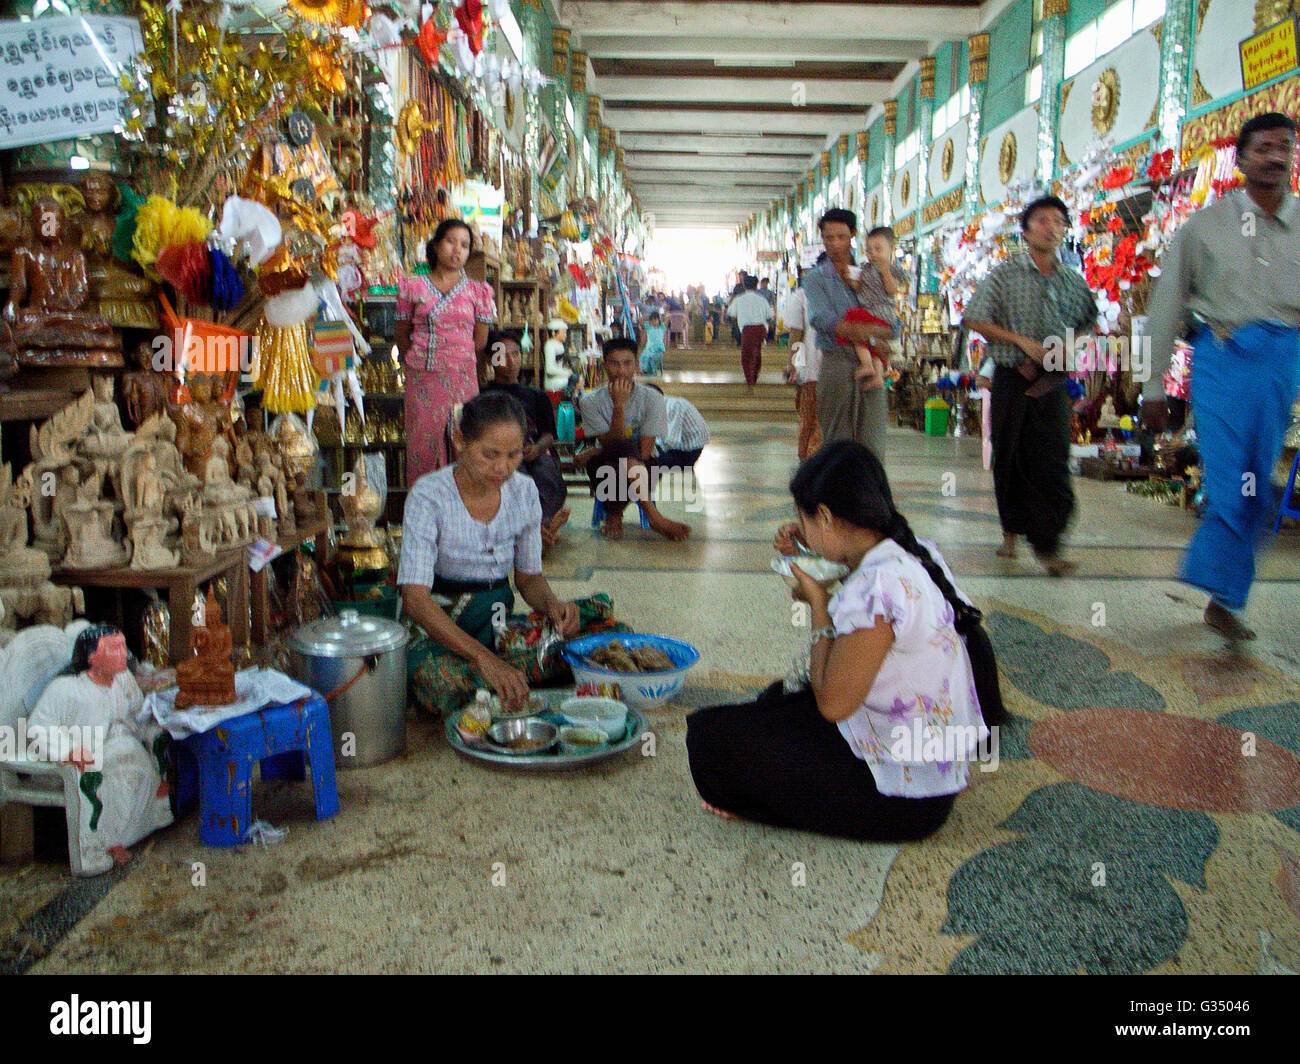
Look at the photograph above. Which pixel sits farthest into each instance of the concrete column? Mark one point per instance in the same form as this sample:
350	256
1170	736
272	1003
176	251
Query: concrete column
863	144
977	51
1049	103
1176	38
842	165
928	281
887	169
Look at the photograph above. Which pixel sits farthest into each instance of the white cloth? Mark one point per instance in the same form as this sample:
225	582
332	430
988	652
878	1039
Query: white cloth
556	373
126	805
440	538
687	429
254	689
807	357
925	685
749	308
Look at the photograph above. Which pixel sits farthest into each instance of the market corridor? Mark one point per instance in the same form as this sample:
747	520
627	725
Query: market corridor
1113	765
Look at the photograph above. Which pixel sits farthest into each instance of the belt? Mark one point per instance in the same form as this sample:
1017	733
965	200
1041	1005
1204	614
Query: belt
443	586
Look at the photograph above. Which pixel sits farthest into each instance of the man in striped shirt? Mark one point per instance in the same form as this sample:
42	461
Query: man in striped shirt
683	441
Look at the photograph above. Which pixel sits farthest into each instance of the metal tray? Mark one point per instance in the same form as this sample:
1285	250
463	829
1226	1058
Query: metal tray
637	725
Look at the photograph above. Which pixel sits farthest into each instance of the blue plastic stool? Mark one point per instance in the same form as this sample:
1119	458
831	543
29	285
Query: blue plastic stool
598	512
1285	509
284	739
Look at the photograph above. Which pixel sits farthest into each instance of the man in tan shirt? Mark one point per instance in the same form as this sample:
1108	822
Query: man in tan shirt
1229	285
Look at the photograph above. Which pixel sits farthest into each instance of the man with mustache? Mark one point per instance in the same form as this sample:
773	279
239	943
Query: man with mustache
1229	286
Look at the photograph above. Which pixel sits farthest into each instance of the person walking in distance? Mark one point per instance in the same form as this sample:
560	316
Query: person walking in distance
806	362
752	313
1229	286
847	408
1026	300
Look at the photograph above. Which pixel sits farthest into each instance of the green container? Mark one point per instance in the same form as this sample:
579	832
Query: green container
385	606
936	421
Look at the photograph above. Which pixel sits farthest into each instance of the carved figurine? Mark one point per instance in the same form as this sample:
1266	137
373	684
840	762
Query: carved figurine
145	389
207	678
48	294
91	544
362	548
120	296
199	422
106	440
145	519
88	718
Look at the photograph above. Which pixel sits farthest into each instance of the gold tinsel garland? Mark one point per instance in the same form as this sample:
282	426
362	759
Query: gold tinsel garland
285	374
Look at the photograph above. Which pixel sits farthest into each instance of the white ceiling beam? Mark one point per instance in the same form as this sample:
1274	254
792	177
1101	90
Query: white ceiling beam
744	90
753	49
797	146
717	178
732	164
603	18
738	121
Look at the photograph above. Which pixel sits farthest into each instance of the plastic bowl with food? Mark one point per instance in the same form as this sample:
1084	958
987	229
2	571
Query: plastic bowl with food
606	715
640	690
523	737
581	739
822	570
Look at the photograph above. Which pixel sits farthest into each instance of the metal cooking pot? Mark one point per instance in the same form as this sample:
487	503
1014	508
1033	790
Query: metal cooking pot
358	664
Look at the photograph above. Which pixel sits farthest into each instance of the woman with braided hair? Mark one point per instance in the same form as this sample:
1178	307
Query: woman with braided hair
878	742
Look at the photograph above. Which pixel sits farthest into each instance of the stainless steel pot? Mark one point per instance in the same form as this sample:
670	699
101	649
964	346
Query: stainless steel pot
359	664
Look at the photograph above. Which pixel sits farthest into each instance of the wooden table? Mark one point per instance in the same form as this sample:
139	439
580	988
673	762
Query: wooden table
181	583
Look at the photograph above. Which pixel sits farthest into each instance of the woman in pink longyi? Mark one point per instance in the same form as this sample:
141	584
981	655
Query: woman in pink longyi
442	325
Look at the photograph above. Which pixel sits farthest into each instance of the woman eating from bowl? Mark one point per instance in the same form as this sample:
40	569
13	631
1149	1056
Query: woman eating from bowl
442	323
898	657
464	528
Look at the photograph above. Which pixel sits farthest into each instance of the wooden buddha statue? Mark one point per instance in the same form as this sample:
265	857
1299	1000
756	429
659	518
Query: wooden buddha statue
124	298
48	296
208	678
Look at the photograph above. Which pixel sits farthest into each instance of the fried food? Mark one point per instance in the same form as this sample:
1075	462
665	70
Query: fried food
619	658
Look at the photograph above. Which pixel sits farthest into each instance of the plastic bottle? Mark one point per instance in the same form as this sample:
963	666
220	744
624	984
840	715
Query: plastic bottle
564	422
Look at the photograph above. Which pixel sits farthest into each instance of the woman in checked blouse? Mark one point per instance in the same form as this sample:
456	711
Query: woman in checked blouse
442	323
465	528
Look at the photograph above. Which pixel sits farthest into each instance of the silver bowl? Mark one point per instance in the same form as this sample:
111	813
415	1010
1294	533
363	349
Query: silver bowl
539	735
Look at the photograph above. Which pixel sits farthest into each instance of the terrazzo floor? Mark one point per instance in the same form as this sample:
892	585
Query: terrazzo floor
1124	830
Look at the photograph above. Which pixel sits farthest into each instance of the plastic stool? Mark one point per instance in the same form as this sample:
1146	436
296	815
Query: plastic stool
285	740
1285	509
598	512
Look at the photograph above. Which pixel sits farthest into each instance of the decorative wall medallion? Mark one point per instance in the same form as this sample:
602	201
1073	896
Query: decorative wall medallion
1006	159
875	211
1105	101
905	190
947	159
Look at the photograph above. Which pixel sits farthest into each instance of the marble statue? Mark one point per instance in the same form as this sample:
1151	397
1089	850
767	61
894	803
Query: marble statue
88	717
48	294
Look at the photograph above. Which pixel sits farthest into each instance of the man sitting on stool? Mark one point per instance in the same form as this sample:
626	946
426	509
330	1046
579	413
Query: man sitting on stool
624	418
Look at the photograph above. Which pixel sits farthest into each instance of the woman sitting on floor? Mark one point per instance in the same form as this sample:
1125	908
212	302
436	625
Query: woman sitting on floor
464	527
850	754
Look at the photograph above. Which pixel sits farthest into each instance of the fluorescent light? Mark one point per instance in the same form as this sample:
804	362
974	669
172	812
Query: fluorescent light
78	162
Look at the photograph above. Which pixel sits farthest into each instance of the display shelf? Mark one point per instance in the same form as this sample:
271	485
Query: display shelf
180	583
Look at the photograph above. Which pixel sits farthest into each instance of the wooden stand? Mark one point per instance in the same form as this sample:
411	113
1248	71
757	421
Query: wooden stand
180	583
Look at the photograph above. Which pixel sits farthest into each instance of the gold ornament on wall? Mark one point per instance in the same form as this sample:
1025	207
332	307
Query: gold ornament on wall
947	159
1007	158
905	190
1105	101
1271	12
411	126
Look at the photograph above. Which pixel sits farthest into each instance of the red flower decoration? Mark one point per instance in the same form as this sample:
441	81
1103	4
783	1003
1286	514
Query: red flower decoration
1161	166
469	17
430	40
1115	224
1117	177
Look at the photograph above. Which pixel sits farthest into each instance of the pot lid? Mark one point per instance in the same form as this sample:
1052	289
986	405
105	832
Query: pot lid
348	635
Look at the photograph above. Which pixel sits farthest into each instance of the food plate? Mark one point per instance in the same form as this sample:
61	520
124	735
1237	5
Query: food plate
555	759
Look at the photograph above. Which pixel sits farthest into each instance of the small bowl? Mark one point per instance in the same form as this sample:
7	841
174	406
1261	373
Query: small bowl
537	735
820	569
531	707
582	739
604	714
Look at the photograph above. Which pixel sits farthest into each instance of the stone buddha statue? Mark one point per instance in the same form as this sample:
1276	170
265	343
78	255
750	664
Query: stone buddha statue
48	296
207	678
123	298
